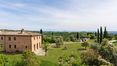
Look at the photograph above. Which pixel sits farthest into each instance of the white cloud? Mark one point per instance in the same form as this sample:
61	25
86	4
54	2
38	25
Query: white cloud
76	18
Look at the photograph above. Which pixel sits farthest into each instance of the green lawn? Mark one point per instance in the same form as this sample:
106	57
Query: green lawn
52	56
54	53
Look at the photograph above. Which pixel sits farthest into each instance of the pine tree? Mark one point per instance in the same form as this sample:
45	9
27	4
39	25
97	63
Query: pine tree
98	36
101	34
105	33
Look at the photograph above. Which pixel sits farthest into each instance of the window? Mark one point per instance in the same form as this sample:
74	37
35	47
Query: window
9	46
37	45
14	46
34	38
9	38
14	38
1	38
34	47
37	37
26	47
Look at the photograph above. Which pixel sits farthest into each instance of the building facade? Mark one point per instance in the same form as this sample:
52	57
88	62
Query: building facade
20	41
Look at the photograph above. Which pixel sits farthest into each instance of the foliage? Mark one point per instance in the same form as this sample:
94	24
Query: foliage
92	36
115	36
67	36
101	35
70	60
85	44
49	39
59	41
95	47
78	36
3	60
72	38
41	31
46	46
10	60
105	33
98	36
108	52
67	61
92	58
30	59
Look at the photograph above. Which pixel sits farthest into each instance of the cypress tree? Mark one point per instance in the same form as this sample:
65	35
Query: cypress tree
52	35
95	33
78	36
105	33
52	38
98	36
41	32
101	34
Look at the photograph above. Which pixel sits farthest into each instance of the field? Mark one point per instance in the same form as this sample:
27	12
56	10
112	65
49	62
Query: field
52	56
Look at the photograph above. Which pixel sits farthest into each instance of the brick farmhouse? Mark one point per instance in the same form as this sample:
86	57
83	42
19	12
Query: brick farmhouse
20	41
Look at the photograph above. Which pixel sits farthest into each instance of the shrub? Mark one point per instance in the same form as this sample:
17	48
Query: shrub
92	58
71	60
59	41
30	59
85	44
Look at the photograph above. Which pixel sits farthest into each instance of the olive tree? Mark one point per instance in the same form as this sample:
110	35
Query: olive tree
59	41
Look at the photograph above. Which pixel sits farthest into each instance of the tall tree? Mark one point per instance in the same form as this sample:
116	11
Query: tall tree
41	32
78	36
52	36
98	36
95	33
105	33
101	34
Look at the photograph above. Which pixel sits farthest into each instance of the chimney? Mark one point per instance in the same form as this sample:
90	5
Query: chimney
22	30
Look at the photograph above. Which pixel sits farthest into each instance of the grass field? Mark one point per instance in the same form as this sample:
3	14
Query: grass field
52	56
54	53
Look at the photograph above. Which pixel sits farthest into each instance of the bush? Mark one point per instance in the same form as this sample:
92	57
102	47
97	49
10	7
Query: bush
85	44
92	58
71	60
30	59
107	52
59	41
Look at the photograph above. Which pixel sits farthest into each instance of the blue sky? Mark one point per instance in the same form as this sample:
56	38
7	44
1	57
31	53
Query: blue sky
58	15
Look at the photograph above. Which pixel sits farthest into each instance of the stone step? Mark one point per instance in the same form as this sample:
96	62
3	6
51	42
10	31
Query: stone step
40	52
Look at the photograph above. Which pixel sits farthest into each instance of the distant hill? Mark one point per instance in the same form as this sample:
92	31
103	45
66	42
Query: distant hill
7	30
113	32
